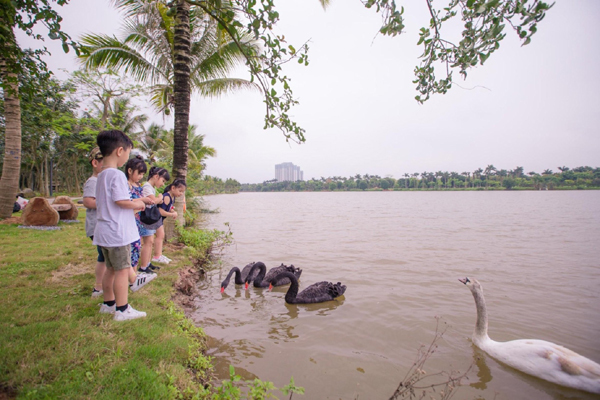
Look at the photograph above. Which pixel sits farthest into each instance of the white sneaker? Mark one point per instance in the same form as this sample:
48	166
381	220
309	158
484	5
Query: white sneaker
161	260
97	293
129	313
166	258
104	309
141	280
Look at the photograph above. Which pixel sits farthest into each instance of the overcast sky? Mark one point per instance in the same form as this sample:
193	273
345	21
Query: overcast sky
536	106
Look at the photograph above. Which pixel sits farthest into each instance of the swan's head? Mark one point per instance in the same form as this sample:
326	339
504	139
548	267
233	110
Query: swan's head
472	284
223	286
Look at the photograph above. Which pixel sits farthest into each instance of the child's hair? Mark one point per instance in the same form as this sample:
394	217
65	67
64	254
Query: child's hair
108	141
135	164
176	183
163	173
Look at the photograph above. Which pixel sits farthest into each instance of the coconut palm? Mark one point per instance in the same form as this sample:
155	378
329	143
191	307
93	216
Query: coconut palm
176	54
197	151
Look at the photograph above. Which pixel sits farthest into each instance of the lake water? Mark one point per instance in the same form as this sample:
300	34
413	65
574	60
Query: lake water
536	253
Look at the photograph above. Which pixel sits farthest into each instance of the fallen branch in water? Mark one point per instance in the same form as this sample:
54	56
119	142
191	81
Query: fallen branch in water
412	384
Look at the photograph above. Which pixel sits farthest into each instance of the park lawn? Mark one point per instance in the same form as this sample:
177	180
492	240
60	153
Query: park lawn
55	344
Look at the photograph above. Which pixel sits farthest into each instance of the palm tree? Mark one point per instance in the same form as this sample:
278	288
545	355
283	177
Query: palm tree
153	140
175	55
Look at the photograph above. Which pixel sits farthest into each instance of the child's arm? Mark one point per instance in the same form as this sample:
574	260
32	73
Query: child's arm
89	202
136	204
164	213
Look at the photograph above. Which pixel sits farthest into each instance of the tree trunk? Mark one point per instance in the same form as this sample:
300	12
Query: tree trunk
9	182
181	92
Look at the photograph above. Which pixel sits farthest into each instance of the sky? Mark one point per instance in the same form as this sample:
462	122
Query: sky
536	106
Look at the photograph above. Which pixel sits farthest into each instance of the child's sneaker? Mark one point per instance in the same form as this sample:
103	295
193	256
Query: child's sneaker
146	271
153	268
129	313
161	260
97	293
166	258
141	280
104	309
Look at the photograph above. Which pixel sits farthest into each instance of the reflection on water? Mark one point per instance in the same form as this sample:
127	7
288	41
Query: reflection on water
484	374
400	254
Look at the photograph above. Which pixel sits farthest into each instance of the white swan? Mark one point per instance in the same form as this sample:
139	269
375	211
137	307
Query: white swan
539	358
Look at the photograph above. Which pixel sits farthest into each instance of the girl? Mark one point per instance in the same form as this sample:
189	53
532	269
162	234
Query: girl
135	170
175	189
156	179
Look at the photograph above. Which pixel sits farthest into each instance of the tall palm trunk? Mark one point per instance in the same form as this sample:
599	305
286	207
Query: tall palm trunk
9	182
181	91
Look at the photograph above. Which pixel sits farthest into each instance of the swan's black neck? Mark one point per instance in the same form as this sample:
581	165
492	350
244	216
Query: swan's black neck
290	296
238	277
258	281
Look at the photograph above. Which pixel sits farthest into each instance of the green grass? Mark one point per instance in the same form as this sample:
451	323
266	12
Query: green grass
55	344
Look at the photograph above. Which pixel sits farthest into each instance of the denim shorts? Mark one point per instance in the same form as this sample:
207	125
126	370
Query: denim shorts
146	232
100	257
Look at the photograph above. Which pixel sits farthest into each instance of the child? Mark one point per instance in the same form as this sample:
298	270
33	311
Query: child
135	170
89	201
156	178
175	189
115	227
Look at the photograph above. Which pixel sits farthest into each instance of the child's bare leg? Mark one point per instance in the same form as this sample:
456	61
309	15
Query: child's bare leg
158	243
146	252
100	268
107	284
132	275
121	286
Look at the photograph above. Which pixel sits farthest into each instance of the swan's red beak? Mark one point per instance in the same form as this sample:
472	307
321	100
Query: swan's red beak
222	289
270	287
246	286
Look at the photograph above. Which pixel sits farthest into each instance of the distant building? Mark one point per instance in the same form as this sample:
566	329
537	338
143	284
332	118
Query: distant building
288	172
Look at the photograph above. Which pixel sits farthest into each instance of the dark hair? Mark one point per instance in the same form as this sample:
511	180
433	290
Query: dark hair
135	164
163	173
109	141
176	183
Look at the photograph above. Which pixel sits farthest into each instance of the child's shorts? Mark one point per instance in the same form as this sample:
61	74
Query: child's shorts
117	258
100	255
146	232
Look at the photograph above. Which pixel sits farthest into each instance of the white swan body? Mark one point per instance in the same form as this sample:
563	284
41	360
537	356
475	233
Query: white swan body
539	358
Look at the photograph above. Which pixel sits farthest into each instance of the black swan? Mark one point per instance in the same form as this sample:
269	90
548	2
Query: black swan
240	276
540	358
316	293
262	281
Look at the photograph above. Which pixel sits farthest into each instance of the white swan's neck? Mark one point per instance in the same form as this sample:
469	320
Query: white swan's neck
480	335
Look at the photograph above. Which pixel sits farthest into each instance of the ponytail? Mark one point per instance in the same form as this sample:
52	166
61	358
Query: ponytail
163	173
176	183
136	163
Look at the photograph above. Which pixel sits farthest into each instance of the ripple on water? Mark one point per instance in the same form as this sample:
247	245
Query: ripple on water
400	255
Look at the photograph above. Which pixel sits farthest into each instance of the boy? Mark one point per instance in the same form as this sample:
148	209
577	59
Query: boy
115	227
89	201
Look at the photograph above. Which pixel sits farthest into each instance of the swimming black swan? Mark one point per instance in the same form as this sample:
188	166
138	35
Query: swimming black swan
539	358
316	293
240	276
262	281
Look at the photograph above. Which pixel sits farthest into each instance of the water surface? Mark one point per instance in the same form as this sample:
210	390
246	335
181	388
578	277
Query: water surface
400	254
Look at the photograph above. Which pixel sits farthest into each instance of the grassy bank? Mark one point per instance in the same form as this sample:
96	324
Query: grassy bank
55	344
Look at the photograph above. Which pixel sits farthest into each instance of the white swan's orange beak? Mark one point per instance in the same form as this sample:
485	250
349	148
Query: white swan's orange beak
246	286
222	289
464	280
270	287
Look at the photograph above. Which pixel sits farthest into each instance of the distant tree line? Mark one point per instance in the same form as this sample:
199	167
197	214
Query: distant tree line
489	178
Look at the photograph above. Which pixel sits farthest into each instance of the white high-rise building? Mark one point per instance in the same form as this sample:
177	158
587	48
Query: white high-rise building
288	172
